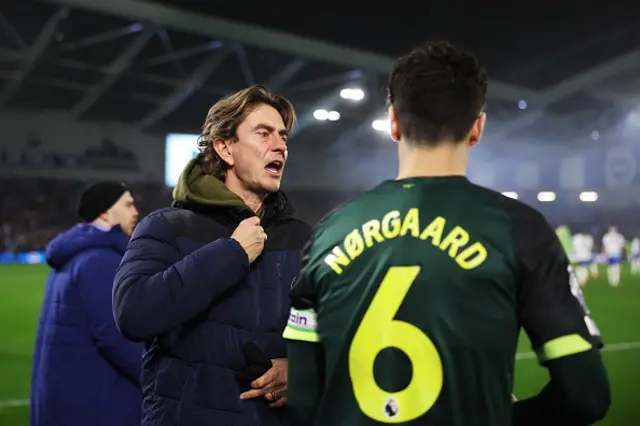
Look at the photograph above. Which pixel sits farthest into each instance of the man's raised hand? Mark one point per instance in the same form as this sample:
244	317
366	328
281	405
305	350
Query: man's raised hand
251	237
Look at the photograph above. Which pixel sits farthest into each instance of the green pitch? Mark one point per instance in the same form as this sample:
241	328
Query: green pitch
617	312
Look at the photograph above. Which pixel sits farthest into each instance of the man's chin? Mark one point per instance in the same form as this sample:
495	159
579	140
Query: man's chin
128	231
271	187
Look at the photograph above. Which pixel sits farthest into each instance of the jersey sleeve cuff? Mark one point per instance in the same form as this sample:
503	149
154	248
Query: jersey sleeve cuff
563	346
302	326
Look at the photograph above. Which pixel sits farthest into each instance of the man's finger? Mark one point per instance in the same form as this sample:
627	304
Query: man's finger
281	402
253	220
263	380
278	391
253	393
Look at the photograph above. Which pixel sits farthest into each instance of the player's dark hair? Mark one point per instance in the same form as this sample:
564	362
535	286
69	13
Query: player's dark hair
438	91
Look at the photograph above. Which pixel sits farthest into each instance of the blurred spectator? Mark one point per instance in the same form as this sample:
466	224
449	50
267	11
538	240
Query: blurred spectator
84	371
31	212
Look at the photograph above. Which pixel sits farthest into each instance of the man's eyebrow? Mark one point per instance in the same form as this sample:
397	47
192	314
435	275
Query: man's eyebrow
263	126
282	132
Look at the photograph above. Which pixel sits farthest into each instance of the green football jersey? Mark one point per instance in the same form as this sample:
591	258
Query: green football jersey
416	292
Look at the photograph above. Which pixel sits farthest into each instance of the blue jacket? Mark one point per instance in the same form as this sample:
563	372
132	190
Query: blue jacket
84	371
188	291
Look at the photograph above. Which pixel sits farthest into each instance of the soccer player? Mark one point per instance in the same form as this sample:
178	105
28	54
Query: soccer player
582	256
408	306
613	247
593	264
635	255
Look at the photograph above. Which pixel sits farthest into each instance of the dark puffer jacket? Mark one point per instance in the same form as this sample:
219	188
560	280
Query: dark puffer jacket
84	371
188	290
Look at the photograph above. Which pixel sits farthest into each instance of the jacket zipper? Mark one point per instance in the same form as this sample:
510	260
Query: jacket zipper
278	288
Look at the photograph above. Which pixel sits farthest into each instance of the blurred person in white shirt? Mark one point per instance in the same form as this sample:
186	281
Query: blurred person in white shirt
593	269
613	248
635	256
582	256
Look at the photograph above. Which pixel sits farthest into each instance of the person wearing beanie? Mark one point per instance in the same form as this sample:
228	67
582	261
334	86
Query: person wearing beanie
106	204
84	371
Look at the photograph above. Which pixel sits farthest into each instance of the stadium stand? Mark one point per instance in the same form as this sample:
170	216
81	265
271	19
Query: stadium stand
33	210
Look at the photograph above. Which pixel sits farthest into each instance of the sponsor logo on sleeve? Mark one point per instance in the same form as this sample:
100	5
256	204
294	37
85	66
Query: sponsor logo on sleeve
303	320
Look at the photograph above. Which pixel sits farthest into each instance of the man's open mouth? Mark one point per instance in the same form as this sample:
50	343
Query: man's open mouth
275	167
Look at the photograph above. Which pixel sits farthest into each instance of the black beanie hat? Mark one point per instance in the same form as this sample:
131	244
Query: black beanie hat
98	197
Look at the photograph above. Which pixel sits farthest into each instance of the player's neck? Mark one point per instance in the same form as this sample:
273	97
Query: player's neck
447	160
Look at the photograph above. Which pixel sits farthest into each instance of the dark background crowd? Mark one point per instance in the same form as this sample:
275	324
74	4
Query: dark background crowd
34	210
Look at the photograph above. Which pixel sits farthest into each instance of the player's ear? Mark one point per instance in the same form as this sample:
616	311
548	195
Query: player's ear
477	129
223	149
394	125
106	215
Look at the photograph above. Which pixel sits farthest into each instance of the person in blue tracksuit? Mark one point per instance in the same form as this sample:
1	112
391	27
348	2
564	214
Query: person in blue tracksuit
205	284
84	371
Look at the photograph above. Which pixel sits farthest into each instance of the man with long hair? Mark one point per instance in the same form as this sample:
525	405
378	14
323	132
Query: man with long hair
206	283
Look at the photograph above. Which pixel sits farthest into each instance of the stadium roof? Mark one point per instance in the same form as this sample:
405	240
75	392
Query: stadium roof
160	65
